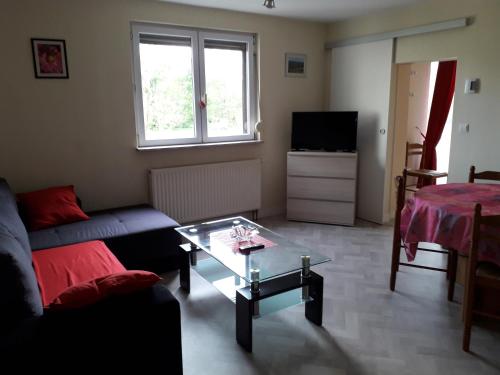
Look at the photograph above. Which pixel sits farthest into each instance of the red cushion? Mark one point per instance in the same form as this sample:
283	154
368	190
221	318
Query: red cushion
58	268
92	291
50	207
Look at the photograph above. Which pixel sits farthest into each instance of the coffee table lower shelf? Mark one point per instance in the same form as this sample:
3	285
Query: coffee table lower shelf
272	295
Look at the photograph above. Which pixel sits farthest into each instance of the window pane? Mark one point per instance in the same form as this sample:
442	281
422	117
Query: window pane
225	87
167	91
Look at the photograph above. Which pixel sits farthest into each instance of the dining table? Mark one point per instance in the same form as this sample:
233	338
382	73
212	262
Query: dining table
443	214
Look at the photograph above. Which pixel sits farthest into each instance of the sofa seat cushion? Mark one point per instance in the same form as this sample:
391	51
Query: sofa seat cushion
62	267
103	225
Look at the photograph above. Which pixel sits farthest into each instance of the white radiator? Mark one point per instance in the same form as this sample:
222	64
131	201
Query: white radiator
205	191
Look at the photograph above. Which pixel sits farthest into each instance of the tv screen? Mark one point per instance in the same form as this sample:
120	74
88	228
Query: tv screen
324	131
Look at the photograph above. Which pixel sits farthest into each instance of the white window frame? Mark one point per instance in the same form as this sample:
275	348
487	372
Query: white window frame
198	36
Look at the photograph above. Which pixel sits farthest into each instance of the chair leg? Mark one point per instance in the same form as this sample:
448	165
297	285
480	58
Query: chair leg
396	252
448	265
399	258
467	311
452	268
396	239
468	305
466	338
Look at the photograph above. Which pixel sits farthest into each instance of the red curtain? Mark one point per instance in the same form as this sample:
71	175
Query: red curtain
441	103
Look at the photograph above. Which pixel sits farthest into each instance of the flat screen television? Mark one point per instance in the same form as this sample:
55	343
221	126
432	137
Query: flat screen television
324	131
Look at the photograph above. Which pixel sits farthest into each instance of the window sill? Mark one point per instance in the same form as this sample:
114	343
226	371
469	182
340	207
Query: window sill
198	145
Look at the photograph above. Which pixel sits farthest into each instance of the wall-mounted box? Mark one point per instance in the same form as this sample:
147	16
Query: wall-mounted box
471	86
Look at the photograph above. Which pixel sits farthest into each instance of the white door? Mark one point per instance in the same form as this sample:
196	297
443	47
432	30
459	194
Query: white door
361	81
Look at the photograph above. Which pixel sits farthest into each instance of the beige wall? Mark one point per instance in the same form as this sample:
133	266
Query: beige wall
475	48
81	131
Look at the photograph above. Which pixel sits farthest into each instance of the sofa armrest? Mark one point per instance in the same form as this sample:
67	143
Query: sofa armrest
141	329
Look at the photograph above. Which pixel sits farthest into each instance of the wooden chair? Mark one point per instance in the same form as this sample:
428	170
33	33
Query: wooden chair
412	150
486	175
451	269
483	279
415	149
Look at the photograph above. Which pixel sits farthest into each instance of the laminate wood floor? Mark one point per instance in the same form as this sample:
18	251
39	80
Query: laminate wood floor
367	329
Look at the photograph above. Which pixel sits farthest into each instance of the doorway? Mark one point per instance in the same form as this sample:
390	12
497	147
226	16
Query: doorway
414	93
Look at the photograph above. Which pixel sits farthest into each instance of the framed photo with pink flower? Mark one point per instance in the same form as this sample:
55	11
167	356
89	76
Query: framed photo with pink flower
49	58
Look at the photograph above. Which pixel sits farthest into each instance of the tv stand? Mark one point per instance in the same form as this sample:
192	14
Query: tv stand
321	186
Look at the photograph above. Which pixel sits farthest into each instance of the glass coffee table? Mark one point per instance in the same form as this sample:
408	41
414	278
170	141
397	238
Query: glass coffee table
259	270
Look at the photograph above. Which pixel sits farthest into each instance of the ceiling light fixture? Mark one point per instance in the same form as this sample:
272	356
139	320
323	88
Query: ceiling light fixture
269	4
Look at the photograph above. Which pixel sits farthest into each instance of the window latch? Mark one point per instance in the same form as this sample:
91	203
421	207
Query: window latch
203	101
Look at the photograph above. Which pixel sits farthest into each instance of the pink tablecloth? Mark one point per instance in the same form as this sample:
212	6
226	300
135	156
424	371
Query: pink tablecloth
443	214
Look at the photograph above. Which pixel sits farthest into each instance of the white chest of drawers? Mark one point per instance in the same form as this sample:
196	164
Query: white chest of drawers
321	186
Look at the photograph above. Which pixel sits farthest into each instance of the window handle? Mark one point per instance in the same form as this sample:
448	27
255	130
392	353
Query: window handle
203	101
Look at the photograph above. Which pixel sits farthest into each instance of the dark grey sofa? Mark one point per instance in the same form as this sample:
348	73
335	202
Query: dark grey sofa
139	330
140	236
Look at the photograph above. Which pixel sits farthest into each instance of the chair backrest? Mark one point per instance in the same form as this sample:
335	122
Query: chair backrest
486	175
414	149
484	278
478	221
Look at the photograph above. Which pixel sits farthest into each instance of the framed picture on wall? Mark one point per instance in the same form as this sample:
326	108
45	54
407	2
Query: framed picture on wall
49	58
295	65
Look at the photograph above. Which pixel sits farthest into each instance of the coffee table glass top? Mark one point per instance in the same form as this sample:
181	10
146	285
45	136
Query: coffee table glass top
224	240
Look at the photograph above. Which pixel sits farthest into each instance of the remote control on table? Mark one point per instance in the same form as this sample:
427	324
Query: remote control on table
245	249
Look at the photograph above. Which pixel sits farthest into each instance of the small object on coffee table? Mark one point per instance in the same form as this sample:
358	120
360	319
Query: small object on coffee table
245	249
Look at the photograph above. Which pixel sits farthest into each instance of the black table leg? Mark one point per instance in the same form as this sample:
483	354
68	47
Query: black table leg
184	274
246	300
314	308
244	312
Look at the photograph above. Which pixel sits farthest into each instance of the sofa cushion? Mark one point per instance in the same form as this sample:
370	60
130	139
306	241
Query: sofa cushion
103	225
62	267
90	292
50	207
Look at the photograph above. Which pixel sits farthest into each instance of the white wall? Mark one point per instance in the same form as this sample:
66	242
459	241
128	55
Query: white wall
476	49
361	81
81	131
